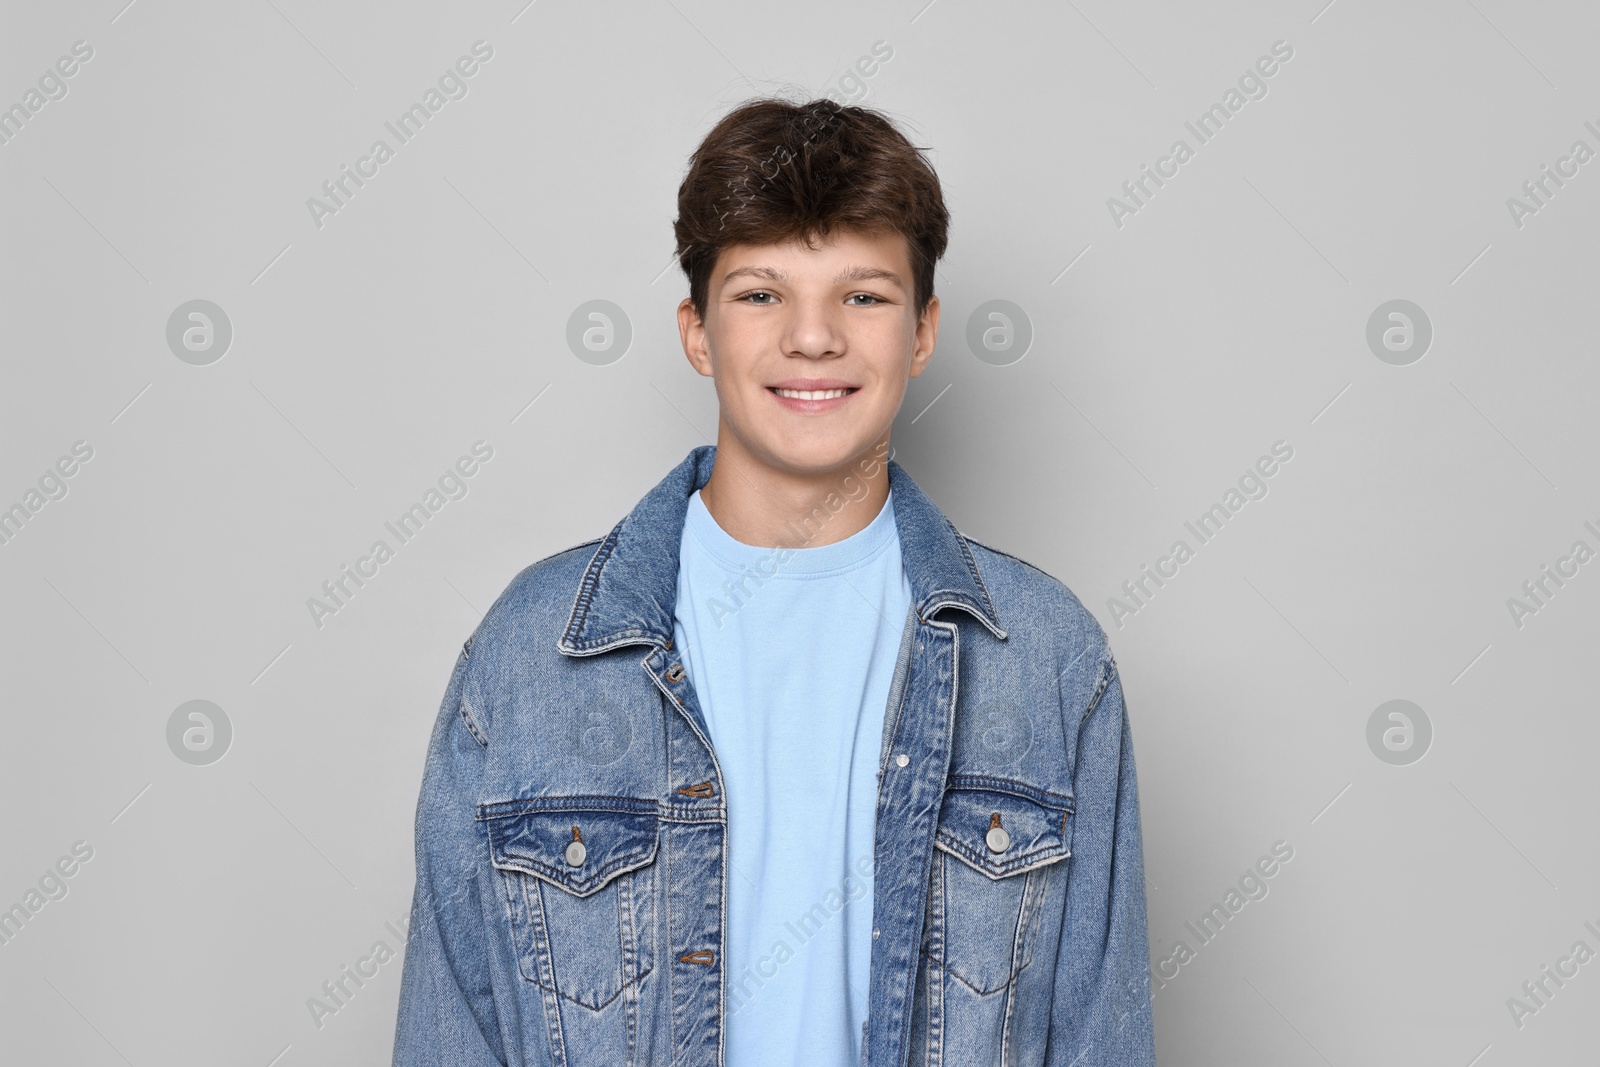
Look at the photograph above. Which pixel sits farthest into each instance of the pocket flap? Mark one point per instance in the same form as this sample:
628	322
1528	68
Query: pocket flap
576	843
1001	827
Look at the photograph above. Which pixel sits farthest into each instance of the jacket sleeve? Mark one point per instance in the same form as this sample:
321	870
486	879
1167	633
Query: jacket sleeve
447	1014
1101	1014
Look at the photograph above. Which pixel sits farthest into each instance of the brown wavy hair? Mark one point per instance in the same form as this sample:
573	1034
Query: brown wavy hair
772	171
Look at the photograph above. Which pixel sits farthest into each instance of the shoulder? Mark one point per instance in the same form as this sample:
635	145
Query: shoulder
1045	620
1028	594
516	640
532	610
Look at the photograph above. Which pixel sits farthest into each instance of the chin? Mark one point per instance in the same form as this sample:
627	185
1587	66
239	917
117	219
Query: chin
814	455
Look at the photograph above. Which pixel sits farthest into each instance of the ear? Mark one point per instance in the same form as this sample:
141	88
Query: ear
692	331
927	336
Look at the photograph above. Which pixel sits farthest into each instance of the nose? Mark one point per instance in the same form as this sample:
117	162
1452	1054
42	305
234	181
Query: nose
813	330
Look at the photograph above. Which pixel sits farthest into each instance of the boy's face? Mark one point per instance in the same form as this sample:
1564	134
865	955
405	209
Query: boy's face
836	319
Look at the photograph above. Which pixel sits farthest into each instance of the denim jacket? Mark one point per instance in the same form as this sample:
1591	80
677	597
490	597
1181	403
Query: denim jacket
571	836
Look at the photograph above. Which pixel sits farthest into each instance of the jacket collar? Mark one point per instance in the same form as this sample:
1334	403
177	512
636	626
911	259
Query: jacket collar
629	590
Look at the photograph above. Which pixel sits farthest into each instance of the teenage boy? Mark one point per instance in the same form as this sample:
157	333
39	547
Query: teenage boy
784	769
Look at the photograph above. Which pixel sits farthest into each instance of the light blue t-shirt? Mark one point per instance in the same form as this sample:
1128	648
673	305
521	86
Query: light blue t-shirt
791	653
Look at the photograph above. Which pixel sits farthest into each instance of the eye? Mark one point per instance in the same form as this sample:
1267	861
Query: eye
751	297
865	296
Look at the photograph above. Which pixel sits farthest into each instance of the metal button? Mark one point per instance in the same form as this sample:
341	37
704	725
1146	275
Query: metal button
875	934
576	852
902	760
997	839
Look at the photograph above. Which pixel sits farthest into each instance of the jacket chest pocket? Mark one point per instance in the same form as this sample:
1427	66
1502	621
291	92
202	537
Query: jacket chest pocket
997	839
579	881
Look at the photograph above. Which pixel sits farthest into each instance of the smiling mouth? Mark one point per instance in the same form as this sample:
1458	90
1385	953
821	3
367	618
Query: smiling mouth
812	394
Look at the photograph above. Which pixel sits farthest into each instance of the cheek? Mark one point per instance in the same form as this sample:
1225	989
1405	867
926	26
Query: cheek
890	391
893	346
735	347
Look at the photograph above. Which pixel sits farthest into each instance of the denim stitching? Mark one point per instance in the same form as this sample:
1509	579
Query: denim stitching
936	1020
972	566
499	809
677	814
541	945
591	578
1021	942
954	634
1039	857
963	602
638	980
945	967
1042	797
1108	671
472	726
554	876
544	957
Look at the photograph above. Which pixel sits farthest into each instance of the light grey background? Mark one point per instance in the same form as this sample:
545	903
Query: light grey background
1168	354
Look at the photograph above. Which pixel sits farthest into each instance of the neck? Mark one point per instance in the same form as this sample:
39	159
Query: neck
758	504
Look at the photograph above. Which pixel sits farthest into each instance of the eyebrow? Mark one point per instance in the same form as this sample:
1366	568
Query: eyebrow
849	274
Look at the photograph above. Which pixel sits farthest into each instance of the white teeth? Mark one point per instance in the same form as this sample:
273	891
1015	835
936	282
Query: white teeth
811	394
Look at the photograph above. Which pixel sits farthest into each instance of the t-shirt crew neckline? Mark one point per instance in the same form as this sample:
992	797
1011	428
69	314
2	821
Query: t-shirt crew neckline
814	562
